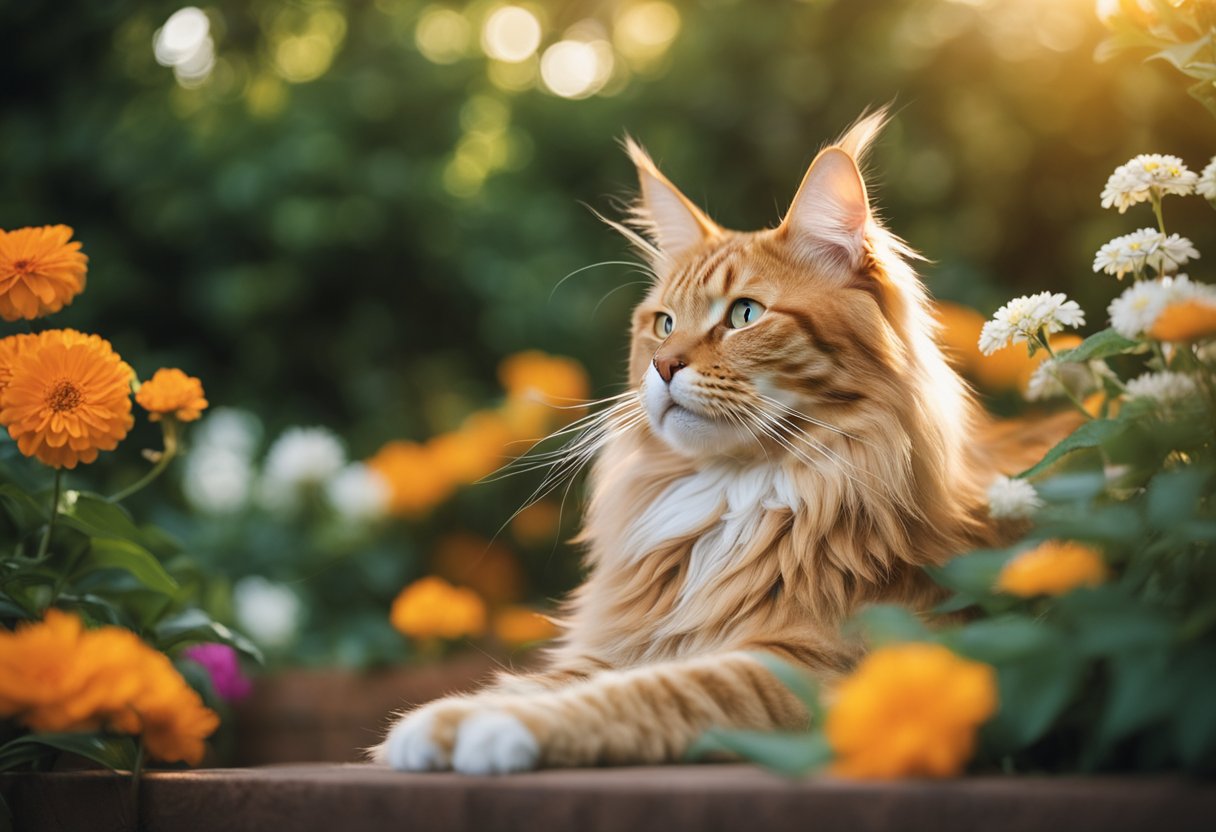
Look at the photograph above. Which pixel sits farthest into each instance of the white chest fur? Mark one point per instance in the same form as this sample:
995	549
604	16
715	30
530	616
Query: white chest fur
723	505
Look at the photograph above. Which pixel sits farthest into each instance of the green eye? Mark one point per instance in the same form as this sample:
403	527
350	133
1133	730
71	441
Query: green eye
663	324
744	312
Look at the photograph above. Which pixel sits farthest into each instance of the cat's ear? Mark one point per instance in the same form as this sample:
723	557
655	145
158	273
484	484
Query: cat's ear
829	214
828	217
670	219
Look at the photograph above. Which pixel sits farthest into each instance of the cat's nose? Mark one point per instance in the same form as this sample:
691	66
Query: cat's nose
668	366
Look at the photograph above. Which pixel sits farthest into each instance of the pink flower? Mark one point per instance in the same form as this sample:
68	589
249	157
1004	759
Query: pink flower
220	662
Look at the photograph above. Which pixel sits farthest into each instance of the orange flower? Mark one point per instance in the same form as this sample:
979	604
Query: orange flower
10	348
170	392
537	523
910	710
541	390
415	483
1052	568
57	676
40	271
478	448
515	626
486	566
433	608
68	397
1186	320
959	334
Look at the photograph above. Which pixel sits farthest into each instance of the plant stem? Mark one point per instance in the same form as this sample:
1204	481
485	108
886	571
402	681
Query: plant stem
45	545
166	456
1158	212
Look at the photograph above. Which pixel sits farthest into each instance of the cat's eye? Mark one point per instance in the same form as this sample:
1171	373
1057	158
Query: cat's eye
743	312
663	324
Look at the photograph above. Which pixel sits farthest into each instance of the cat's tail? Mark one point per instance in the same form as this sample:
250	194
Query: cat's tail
1009	446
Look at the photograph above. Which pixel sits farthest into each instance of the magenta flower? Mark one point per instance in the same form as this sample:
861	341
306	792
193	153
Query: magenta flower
220	662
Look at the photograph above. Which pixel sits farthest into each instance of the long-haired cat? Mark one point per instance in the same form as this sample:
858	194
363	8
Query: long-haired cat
793	446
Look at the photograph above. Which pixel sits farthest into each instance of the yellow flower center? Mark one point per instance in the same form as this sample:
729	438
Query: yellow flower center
1134	246
1151	166
23	267
64	396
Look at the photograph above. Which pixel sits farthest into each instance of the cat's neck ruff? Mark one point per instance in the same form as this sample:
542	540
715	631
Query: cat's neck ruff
722	504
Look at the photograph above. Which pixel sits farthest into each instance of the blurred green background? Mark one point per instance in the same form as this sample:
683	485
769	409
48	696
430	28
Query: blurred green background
346	213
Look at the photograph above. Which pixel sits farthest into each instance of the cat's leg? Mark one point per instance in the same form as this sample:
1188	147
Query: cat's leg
647	714
422	738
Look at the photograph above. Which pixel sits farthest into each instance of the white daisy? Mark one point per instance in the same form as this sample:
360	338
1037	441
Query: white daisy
1146	247
1010	498
1027	316
1146	176
1049	379
1164	387
267	612
301	458
358	493
1137	309
1207	181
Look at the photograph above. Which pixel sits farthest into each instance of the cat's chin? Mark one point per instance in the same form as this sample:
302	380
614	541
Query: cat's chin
692	434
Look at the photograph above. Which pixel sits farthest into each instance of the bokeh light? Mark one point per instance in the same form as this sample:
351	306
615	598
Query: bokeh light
442	35
577	67
644	31
511	34
185	44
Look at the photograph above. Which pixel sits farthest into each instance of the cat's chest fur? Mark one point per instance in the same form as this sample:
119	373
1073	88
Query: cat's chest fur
720	508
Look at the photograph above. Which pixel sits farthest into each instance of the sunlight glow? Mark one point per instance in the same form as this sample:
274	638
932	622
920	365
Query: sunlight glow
442	35
511	34
185	44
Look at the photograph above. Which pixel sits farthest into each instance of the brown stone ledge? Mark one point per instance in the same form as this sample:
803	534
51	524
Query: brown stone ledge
360	798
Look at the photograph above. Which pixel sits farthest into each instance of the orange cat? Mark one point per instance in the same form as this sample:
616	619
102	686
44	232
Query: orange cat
794	446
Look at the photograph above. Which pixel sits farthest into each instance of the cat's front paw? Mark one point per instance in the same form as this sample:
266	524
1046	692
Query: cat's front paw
494	742
422	740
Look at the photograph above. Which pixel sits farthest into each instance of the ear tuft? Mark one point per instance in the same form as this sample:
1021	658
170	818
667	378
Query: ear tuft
663	213
858	139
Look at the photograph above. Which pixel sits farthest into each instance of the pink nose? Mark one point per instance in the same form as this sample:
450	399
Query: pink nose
668	366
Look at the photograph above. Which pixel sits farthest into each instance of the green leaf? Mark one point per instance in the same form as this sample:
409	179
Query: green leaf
1142	691
883	624
1033	693
1100	345
1091	434
196	627
789	754
97	517
974	574
110	553
113	752
26	513
1173	496
1005	639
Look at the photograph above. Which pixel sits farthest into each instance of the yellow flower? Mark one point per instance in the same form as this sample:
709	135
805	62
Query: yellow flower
1187	320
542	390
57	676
433	608
515	626
40	271
68	397
1052	568
170	392
415	483
910	710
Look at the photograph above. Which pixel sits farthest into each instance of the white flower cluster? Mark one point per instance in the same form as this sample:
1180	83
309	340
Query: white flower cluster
1025	317
1164	387
268	612
1147	176
1054	378
1206	186
313	459
217	477
1012	499
1136	310
1147	247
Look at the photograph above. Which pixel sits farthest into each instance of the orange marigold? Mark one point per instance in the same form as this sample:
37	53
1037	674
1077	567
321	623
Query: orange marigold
57	676
10	348
416	484
515	626
40	271
538	523
68	397
1052	568
170	392
541	390
479	447
910	710
433	608
486	566
1187	320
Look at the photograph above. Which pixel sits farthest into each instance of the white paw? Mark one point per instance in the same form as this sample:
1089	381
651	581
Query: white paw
494	742
410	747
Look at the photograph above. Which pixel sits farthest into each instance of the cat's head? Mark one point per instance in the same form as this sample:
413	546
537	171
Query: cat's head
747	339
